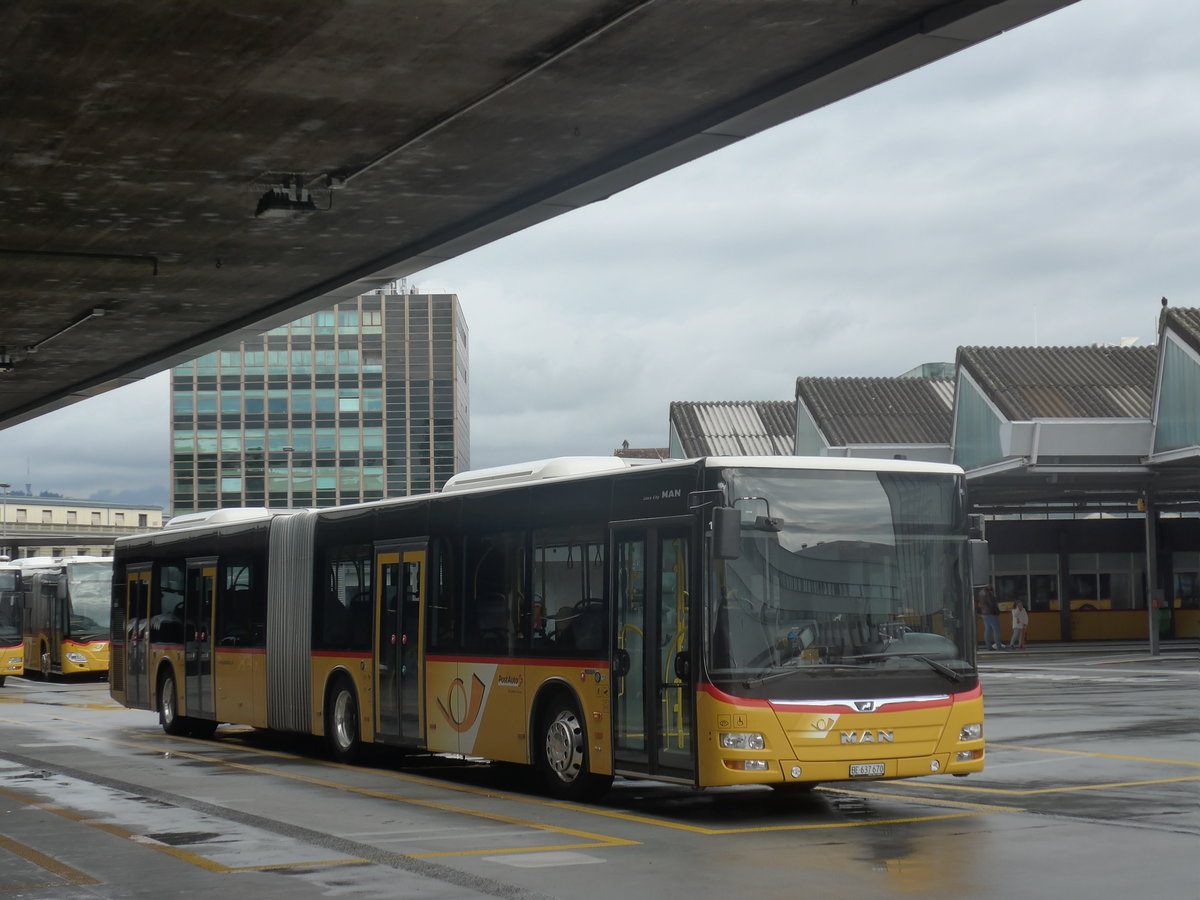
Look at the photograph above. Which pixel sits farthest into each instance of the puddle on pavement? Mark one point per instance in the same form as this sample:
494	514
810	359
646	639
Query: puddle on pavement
182	838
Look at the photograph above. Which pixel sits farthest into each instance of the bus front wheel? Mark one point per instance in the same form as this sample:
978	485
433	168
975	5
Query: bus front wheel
168	707
561	754
341	722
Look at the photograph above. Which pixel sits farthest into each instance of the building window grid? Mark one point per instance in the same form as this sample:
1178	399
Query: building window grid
228	442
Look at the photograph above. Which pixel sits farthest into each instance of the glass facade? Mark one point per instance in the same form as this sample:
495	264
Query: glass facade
1178	422
976	429
363	401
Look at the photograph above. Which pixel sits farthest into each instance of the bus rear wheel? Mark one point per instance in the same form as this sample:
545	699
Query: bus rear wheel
341	722
168	709
561	754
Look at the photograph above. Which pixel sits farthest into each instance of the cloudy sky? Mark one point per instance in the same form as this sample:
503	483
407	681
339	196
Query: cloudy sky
1041	188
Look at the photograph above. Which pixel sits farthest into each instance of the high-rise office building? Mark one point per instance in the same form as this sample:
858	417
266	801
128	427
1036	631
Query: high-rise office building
366	400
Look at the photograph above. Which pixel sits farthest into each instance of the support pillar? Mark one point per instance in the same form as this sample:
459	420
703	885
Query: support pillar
1154	593
1064	587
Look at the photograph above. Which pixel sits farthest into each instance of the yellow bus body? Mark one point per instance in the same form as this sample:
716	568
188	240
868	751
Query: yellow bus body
74	657
819	742
485	708
12	659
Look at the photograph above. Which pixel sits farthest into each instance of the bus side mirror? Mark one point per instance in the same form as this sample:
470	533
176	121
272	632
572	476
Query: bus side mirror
727	532
981	563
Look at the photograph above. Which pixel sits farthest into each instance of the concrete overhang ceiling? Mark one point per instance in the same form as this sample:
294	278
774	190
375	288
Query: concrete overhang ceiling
177	176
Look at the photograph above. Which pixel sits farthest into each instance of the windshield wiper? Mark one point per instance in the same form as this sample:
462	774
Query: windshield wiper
785	670
945	671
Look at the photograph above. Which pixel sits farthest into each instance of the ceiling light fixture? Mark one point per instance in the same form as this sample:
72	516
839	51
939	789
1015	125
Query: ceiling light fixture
287	199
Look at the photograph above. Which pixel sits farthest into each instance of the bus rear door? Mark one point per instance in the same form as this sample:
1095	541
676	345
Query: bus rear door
652	703
137	638
198	637
399	604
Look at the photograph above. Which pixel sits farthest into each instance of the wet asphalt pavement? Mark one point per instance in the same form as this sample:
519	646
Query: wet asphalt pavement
1092	790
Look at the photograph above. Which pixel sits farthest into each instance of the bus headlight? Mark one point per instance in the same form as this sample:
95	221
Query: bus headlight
971	733
742	740
747	765
78	658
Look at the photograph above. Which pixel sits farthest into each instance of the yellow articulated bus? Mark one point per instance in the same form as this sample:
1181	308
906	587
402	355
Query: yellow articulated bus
12	646
723	621
64	618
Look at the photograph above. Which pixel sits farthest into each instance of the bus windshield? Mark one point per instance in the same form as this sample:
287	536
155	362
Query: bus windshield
10	606
842	574
90	587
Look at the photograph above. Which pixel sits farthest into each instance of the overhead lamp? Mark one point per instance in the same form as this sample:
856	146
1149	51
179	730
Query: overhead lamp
286	200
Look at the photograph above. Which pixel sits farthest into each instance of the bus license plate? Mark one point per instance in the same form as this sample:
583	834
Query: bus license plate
864	770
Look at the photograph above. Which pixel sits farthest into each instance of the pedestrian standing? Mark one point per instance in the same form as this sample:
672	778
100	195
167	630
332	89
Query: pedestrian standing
989	609
1020	622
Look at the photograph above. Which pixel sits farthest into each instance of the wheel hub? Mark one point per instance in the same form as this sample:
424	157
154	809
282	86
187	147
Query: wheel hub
564	747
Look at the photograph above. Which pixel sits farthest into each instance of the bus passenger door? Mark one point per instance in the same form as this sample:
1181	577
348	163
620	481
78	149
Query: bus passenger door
652	703
198	639
137	639
399	603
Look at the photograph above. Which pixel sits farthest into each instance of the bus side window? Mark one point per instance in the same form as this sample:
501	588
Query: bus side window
446	599
342	615
166	605
240	607
495	591
568	589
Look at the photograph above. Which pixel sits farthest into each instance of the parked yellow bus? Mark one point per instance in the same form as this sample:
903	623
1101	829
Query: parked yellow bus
12	649
65	609
721	621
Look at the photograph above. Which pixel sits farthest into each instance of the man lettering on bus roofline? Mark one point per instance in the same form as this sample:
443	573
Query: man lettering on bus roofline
1020	622
989	609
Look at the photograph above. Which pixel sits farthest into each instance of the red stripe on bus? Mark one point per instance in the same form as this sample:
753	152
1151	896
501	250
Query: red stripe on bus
717	694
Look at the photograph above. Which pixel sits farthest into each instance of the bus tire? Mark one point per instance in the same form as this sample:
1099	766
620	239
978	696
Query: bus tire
341	722
2	677
560	754
168	707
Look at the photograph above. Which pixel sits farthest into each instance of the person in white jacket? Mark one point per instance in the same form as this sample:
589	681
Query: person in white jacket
1020	622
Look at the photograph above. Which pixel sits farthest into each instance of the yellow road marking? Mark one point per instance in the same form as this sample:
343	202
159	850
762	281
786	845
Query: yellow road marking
982	807
65	873
1146	759
117	831
588	840
1022	792
594	841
